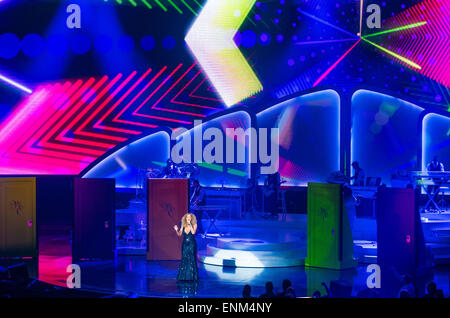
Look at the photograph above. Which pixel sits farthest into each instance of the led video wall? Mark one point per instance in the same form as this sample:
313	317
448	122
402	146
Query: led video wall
135	162
384	134
436	139
309	134
210	144
81	79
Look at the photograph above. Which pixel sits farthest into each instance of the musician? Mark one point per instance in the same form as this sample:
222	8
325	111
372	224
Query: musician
271	186
171	170
198	194
250	195
435	166
359	175
198	199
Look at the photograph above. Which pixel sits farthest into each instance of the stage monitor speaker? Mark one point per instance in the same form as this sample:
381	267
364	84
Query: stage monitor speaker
229	262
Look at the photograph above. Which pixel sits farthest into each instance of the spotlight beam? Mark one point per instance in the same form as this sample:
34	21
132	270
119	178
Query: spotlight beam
15	84
328	24
335	64
401	58
361	8
323	41
405	27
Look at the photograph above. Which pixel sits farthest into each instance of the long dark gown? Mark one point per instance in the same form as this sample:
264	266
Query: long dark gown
188	267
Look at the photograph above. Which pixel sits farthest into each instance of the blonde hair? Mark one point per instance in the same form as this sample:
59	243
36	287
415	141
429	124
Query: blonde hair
184	221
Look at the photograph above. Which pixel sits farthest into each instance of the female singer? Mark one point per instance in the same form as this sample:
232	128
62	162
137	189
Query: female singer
188	267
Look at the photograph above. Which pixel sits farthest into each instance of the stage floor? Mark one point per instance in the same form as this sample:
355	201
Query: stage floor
136	275
130	275
133	274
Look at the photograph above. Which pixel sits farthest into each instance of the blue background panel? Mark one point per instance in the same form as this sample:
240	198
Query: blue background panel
436	139
384	136
214	174
309	128
149	152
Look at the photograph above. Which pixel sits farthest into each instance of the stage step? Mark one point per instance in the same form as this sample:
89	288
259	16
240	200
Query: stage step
293	221
277	250
441	259
212	250
442	235
436	216
246	244
436	228
440	253
365	251
442	230
249	259
439	248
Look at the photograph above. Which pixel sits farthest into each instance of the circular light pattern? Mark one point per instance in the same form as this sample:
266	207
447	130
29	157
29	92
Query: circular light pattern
264	38
32	45
57	44
80	44
249	38
9	45
169	43
148	43
381	118
103	44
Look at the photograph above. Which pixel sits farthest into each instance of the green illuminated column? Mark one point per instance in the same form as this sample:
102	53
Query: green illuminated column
330	242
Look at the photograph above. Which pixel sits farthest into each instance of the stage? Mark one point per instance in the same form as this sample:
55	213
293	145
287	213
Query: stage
143	140
133	275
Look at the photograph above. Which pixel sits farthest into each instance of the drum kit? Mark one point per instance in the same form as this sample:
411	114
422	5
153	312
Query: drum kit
183	170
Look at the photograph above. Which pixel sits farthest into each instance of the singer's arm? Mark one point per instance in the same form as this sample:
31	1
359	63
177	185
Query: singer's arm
193	228
175	227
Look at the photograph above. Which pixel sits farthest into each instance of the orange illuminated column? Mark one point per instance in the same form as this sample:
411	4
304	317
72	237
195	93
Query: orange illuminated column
18	217
167	203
